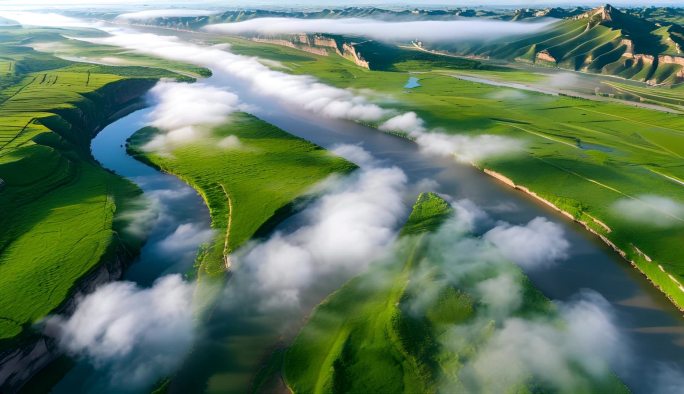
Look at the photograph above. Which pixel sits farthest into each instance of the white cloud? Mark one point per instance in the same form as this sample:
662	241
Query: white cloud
354	153
501	345
230	142
47	19
163	13
352	224
184	111
303	92
559	355
467	148
651	210
182	243
457	30
464	148
501	294
538	243
408	122
136	335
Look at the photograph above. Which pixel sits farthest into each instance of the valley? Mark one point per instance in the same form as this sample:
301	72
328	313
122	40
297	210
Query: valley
201	201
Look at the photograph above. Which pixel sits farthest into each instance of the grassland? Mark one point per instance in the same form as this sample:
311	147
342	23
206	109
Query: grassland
604	40
671	97
59	207
247	185
581	155
385	331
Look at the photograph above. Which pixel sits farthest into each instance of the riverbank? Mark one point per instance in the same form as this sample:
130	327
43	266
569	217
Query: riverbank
507	181
244	185
27	354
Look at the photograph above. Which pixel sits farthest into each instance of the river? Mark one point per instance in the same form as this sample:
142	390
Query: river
173	206
236	339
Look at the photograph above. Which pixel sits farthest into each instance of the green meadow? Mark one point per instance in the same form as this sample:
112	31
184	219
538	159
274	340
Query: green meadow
387	330
59	207
581	155
246	186
671	97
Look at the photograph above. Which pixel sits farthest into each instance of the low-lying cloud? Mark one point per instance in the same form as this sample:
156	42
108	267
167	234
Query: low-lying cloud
163	13
182	243
432	31
352	224
136	335
184	112
503	345
303	92
585	343
651	210
538	243
47	19
462	147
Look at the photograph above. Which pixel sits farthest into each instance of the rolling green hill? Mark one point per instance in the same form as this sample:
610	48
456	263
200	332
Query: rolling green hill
603	40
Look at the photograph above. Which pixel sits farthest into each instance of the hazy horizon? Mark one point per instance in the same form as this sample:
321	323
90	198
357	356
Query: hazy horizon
151	4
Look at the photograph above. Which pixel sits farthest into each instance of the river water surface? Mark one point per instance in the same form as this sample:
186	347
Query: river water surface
169	208
236	339
652	326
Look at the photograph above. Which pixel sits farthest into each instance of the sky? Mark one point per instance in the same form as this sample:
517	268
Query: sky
330	3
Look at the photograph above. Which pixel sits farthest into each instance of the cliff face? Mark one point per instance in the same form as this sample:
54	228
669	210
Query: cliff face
352	54
34	351
318	45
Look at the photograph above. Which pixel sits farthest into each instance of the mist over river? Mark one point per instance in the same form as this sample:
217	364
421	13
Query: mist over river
238	337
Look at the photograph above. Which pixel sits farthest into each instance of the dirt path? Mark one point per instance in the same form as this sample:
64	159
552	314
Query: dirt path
226	244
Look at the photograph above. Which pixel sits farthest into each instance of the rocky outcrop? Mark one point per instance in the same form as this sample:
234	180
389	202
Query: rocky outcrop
545	56
318	45
601	14
676	60
352	54
290	44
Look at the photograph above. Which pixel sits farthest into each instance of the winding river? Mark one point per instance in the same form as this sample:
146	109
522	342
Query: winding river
236	339
171	207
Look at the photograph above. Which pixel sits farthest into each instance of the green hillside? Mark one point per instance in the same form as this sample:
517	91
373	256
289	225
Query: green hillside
394	329
245	186
603	40
59	208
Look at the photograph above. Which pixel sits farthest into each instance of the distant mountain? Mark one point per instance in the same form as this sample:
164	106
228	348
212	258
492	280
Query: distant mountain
602	40
629	44
659	14
555	12
349	12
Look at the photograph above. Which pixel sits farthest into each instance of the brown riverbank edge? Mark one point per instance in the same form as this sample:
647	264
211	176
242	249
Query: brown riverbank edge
640	267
